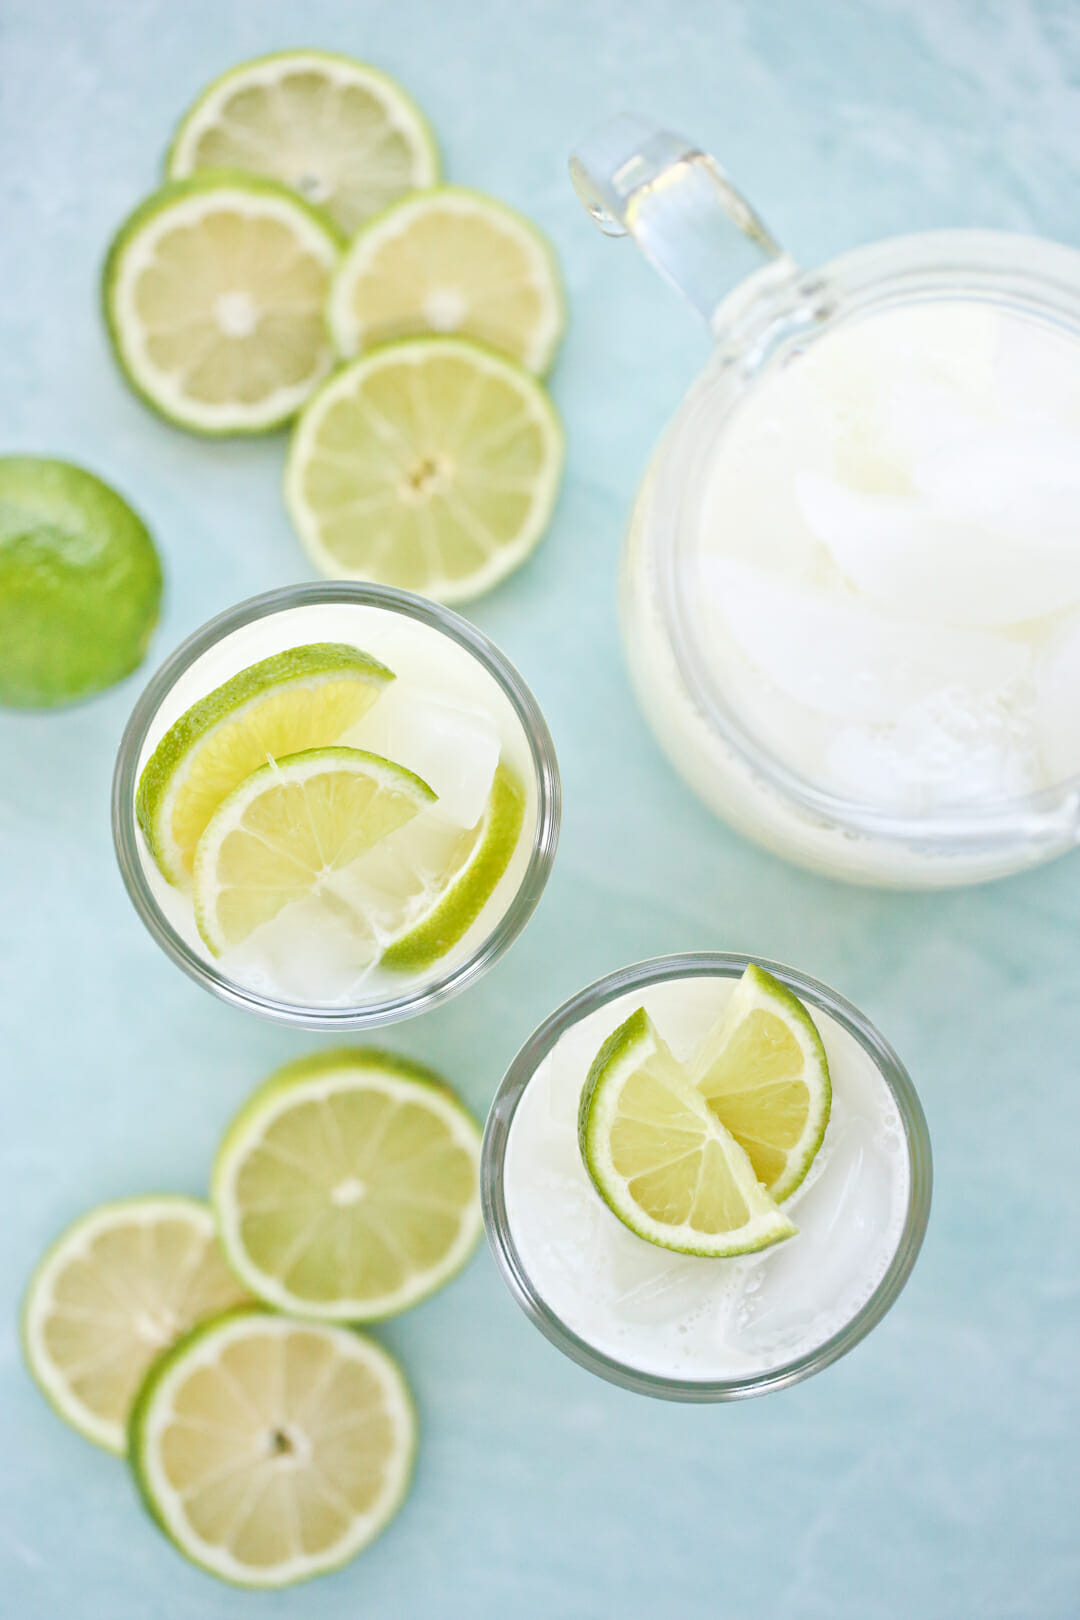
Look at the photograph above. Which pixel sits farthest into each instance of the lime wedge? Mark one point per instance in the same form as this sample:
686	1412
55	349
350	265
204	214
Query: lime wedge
660	1158
464	881
304	698
214	292
450	260
430	464
80	584
763	1071
339	132
347	1188
270	1451
115	1290
291	832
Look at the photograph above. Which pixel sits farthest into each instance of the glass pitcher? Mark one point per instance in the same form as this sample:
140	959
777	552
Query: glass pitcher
851	584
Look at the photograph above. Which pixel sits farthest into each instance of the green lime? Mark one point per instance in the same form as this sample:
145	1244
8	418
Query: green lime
80	584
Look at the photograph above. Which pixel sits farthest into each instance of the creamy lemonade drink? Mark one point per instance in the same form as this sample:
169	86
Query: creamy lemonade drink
336	804
704	1179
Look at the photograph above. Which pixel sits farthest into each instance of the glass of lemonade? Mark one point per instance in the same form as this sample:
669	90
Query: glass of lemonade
336	805
819	1266
851	585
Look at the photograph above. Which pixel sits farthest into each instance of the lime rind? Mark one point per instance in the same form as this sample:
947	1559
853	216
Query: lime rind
468	891
241	191
168	767
317	1077
197	1347
78	1235
507	556
760	989
627	1050
539	356
407	116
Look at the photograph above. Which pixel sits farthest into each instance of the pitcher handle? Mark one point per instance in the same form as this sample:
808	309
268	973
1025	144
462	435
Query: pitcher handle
680	208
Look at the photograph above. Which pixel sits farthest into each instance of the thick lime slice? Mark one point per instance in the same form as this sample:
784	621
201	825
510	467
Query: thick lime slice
339	132
304	698
214	292
80	584
347	1187
121	1285
763	1071
660	1158
450	260
270	1451
291	832
430	464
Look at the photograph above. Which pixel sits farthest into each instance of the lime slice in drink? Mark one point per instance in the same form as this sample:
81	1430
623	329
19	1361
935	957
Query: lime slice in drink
430	464
342	134
292	832
445	896
270	1451
304	698
214	292
116	1289
450	260
347	1188
660	1158
80	584
763	1071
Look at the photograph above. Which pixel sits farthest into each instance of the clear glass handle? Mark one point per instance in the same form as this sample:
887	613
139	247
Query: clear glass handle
680	208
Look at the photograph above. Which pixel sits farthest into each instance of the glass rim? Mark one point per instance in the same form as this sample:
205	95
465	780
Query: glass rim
702	964
509	925
1030	274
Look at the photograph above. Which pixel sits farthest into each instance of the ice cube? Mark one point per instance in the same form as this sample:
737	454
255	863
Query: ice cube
1057	715
1036	372
838	655
313	951
1020	476
947	554
454	748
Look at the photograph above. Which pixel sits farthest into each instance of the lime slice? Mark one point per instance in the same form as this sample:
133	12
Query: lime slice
763	1071
291	832
270	1451
304	698
214	292
80	584
458	890
347	1188
431	464
342	134
660	1158
450	260
115	1290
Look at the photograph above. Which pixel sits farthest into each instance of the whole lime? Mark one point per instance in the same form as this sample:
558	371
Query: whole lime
80	584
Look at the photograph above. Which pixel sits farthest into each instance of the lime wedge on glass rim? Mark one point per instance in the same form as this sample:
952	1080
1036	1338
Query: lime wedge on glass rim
347	1188
344	135
268	1450
450	260
661	1159
118	1287
306	697
431	464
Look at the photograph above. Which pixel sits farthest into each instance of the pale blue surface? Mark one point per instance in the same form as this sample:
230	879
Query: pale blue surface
933	1474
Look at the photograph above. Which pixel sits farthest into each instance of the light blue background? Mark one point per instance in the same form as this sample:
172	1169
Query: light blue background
932	1474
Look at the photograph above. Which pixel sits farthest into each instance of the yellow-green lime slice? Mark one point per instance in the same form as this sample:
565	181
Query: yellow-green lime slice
430	464
306	697
294	831
763	1071
347	1188
121	1285
339	132
270	1451
214	292
660	1158
80	584
450	260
